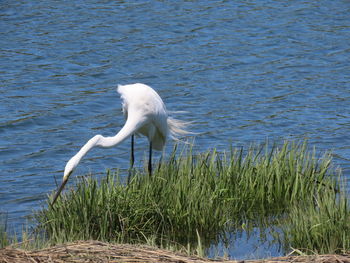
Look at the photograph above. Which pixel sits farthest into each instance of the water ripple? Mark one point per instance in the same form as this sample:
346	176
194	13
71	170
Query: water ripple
244	72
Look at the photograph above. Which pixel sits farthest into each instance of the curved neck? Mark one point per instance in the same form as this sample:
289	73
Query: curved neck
130	127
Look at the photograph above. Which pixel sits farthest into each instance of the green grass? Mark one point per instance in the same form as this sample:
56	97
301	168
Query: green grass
4	240
193	199
321	227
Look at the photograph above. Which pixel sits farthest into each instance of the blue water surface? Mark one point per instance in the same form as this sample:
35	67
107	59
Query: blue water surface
245	71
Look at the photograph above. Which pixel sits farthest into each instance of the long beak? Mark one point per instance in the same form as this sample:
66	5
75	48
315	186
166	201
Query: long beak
59	190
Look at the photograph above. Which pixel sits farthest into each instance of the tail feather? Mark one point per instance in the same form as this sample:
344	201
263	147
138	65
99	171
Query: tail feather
177	128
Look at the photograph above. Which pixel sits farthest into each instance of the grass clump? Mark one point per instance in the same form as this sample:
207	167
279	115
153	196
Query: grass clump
4	240
192	199
321	228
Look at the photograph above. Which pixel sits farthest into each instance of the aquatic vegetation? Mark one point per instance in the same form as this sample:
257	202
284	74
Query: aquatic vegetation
3	237
320	227
192	199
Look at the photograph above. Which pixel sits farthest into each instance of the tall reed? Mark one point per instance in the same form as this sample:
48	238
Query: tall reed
192	198
322	227
4	239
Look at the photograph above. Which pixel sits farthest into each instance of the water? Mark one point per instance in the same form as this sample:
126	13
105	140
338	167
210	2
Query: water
244	70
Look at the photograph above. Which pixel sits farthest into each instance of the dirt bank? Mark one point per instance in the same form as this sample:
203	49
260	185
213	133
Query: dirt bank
95	251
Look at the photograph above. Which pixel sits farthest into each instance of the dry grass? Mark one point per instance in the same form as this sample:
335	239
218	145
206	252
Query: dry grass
95	251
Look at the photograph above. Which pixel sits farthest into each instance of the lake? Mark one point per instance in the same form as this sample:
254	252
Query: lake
243	72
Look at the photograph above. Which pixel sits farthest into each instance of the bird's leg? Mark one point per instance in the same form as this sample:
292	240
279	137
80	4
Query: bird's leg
150	159
132	158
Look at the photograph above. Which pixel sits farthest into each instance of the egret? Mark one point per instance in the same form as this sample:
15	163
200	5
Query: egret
146	115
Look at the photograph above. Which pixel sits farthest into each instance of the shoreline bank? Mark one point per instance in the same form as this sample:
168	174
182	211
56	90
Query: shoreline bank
96	251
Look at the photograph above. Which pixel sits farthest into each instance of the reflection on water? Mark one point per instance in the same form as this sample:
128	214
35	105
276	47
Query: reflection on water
243	71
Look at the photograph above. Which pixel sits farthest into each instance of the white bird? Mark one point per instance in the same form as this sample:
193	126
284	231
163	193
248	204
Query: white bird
145	114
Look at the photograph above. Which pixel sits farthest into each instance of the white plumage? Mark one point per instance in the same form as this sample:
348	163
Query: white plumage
145	114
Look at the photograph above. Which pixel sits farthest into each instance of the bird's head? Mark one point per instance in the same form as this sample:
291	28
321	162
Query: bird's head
70	166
